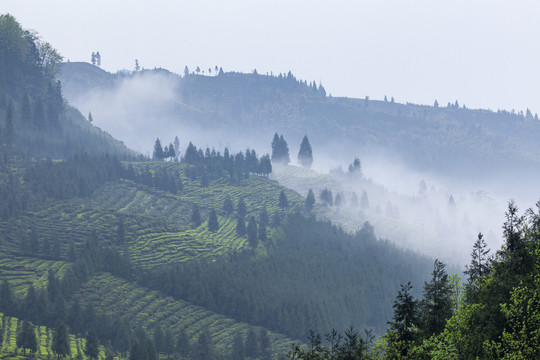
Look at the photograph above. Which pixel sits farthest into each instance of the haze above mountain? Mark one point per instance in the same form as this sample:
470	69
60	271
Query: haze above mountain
481	158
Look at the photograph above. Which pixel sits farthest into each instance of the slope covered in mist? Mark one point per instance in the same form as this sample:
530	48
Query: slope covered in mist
448	140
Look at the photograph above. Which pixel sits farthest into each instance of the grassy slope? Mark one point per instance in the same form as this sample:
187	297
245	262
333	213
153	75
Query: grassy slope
8	348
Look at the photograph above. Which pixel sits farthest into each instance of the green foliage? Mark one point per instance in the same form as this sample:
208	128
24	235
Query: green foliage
437	302
280	150
310	201
60	342
213	224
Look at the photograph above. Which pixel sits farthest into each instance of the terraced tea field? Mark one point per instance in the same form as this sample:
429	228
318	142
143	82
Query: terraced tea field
143	307
8	348
21	272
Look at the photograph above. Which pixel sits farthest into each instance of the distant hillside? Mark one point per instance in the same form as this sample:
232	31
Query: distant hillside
35	119
450	140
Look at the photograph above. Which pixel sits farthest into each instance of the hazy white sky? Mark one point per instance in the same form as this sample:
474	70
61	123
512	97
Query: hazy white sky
484	53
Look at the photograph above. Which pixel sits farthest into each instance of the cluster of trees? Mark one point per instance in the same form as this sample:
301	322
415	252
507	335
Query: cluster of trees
96	58
161	179
236	166
280	150
494	315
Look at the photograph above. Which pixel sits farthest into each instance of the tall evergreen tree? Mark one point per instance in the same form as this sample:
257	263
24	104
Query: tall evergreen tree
228	206
305	154
252	232
60	341
158	151
364	200
241	227
405	320
310	201
182	343
92	346
437	302
26	337
213	224
480	263
241	208
204	350
196	216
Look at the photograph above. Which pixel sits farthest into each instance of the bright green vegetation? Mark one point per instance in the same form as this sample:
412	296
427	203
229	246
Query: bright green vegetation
21	272
10	326
147	308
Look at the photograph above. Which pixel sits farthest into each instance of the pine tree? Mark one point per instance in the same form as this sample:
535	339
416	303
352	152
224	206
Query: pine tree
182	343
437	303
252	232
480	265
364	201
92	347
228	206
26	337
261	234
213	224
310	201
326	197
60	341
405	319
337	200
90	117
159	339
241	208
196	216
204	349
305	155
158	151
355	168
241	227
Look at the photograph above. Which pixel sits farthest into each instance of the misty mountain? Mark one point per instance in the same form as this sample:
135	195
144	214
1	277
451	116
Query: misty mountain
449	140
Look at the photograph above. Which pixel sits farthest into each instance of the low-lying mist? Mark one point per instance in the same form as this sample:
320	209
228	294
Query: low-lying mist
441	219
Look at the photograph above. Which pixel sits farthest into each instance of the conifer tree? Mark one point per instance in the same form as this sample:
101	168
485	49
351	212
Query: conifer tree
305	155
480	263
60	341
240	226
252	232
213	224
196	216
310	201
90	117
364	201
265	346
158	151
437	303
241	208
405	320
182	343
228	206
26	337
92	347
252	346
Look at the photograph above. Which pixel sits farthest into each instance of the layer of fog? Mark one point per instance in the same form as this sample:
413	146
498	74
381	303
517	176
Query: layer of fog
139	109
